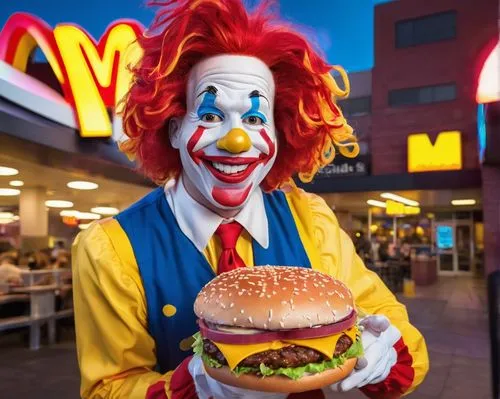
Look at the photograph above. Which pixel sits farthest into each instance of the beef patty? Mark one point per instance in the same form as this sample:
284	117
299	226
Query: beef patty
289	356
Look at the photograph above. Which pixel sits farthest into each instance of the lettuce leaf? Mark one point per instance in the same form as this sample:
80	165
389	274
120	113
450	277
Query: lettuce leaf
355	350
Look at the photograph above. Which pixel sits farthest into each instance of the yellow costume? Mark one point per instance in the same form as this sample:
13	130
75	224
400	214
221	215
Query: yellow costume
116	352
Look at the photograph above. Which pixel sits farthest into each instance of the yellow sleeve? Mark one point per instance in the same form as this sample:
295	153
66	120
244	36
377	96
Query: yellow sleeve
115	351
337	254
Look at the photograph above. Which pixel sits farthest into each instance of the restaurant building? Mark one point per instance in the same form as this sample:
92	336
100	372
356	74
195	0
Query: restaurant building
427	116
60	167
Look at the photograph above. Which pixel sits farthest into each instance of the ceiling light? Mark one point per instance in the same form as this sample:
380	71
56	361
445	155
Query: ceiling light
6	215
87	216
462	202
58	204
5	171
83	226
16	183
82	185
380	204
9	192
105	210
6	221
68	213
398	198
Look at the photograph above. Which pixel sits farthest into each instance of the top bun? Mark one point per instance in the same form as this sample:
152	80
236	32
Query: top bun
274	298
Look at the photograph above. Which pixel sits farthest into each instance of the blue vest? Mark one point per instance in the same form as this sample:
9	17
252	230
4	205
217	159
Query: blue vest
173	271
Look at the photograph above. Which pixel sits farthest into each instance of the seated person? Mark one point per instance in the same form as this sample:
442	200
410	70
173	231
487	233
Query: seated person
10	274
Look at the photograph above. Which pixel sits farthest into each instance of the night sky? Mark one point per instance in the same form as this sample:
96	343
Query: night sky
343	29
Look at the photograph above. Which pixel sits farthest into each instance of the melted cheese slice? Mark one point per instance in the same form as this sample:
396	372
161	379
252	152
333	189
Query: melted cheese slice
234	354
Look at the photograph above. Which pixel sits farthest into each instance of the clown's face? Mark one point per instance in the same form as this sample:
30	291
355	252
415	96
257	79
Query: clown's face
227	140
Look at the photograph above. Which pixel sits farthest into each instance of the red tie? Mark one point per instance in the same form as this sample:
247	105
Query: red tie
229	258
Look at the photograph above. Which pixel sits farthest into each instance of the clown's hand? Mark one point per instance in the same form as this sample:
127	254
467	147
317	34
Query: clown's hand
378	338
208	388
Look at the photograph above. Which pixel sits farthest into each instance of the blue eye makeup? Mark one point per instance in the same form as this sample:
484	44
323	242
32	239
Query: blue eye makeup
254	109
208	106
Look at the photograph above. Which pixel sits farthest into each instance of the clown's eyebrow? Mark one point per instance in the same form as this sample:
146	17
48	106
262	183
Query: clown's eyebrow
257	93
209	89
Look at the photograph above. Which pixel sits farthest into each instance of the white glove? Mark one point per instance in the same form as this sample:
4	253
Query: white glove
208	388
378	338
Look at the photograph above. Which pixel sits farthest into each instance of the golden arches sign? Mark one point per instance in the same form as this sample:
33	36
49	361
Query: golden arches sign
93	75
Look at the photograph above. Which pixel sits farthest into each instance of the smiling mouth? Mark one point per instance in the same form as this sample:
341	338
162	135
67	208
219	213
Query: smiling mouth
228	169
231	169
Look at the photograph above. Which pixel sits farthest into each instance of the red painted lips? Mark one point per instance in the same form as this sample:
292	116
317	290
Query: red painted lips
234	178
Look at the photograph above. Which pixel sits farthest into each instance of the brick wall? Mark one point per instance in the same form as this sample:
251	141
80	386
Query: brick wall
491	211
456	61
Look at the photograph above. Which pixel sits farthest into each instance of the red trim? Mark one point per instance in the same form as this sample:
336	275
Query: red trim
182	384
157	391
399	379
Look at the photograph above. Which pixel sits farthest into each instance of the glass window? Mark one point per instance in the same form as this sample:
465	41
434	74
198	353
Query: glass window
425	95
427	29
444	93
356	106
422	95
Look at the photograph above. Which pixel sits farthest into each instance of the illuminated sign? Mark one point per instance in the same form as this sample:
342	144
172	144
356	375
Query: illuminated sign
444	237
488	88
487	94
394	208
93	75
444	154
70	221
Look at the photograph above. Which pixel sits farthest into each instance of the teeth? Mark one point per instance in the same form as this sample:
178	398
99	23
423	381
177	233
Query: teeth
229	169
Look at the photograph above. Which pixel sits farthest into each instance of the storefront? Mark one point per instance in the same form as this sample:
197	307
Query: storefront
428	183
60	167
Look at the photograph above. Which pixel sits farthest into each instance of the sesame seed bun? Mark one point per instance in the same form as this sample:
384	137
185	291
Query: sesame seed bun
280	383
274	298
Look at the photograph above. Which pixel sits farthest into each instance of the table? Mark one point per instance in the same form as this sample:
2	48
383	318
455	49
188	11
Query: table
43	310
9	298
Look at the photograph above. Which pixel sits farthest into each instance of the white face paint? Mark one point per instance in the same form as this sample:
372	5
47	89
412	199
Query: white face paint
227	94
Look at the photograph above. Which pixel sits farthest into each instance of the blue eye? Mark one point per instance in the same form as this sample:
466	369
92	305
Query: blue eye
253	120
211	118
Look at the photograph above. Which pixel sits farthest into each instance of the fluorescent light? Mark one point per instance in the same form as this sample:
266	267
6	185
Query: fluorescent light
105	210
58	204
6	171
9	192
82	185
380	204
80	215
6	215
83	226
69	213
398	198
16	183
461	202
87	216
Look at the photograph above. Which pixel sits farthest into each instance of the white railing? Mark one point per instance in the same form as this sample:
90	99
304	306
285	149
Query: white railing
40	288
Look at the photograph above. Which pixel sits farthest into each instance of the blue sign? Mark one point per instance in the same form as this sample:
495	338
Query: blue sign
444	237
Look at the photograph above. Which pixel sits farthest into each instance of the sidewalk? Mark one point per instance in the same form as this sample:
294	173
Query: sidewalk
451	315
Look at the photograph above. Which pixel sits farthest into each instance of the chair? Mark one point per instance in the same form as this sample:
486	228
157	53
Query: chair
494	319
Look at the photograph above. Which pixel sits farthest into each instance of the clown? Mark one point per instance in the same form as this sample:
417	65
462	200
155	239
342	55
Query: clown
225	108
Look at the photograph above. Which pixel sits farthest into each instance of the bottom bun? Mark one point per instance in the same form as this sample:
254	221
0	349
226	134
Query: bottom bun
282	384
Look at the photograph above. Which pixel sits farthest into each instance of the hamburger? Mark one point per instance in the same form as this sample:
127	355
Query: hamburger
277	329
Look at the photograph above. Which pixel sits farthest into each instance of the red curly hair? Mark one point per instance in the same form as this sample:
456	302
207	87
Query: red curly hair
308	122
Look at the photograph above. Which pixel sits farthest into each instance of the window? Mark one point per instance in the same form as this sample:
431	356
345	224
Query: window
428	29
422	95
356	106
